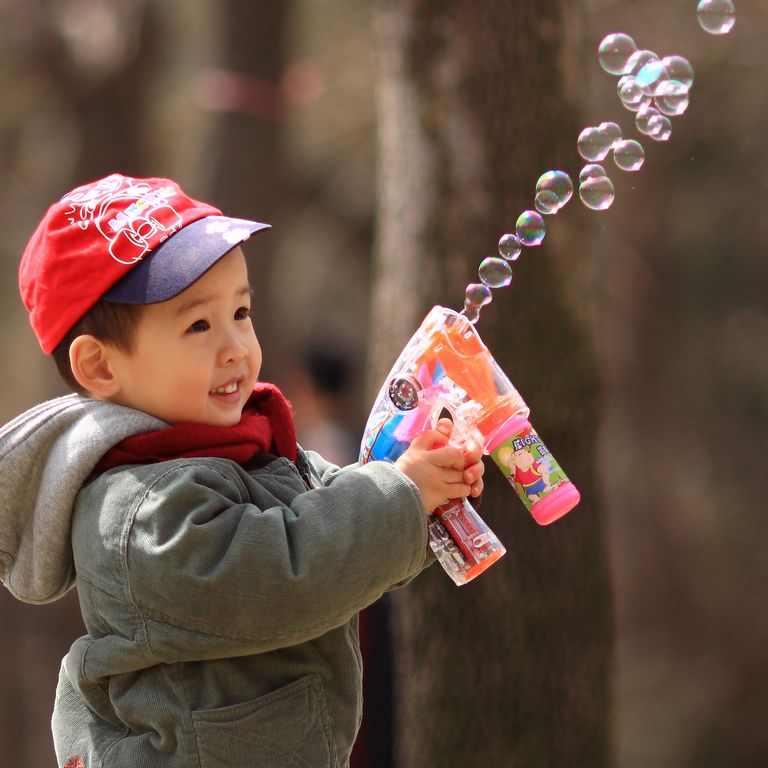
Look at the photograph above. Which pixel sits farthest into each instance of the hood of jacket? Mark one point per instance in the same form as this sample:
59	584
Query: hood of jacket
46	454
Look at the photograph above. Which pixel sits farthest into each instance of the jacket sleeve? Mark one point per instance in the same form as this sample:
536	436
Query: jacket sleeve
203	559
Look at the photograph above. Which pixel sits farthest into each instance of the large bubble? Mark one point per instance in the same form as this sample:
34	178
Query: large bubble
596	192
716	16
593	145
477	295
680	69
672	98
629	155
614	52
495	272
530	228
510	247
553	190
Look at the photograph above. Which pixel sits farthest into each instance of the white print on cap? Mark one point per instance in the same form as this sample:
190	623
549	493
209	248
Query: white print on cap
229	230
129	215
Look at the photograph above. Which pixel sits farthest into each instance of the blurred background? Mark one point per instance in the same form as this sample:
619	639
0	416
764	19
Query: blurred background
284	112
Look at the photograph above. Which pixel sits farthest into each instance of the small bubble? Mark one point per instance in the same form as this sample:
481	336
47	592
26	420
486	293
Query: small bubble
716	16
631	94
596	192
592	145
629	155
614	52
643	119
591	171
477	295
510	247
530	228
495	272
672	98
660	128
680	69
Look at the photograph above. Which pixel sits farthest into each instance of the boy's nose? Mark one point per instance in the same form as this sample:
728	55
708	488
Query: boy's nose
233	351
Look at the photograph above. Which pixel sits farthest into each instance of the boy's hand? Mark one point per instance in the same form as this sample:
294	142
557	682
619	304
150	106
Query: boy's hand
441	471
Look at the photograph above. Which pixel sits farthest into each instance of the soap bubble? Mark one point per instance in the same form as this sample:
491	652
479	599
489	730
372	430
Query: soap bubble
629	155
510	247
631	94
591	171
495	272
650	76
672	98
530	228
592	144
471	312
660	128
638	60
553	191
477	295
643	119
546	202
596	192
611	132
680	69
716	16
614	52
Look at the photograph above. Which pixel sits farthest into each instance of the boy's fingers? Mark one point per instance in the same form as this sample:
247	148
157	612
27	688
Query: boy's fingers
447	457
445	426
429	439
474	471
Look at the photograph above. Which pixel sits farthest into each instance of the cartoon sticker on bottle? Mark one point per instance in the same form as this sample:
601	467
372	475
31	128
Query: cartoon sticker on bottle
534	473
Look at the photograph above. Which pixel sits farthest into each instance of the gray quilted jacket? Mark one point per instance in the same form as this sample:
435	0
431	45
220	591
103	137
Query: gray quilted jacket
220	603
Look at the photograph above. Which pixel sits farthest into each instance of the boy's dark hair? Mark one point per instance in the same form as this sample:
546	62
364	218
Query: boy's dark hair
109	322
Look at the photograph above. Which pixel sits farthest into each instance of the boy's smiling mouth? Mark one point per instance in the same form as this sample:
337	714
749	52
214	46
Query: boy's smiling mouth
226	389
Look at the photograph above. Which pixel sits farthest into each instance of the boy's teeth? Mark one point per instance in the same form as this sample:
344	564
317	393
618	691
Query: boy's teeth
226	390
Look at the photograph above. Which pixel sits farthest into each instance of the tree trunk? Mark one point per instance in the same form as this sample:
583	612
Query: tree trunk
512	669
243	159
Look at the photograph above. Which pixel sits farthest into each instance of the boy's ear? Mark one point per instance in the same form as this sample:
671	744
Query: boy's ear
90	362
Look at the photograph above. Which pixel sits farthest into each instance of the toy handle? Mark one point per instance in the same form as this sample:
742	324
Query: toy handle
462	542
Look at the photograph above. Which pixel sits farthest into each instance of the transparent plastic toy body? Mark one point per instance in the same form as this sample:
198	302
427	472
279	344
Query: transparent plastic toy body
446	367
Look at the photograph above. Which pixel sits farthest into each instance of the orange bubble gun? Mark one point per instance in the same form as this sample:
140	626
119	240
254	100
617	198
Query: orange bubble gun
446	369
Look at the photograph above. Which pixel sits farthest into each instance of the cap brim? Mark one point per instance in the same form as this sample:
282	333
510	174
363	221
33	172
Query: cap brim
180	260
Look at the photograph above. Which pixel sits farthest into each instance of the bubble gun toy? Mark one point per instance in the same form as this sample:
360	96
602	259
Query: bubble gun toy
446	368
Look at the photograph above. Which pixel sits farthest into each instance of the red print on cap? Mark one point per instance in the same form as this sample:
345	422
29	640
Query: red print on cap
90	239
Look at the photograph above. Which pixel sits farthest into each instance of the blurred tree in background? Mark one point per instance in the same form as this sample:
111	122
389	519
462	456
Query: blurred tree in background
268	108
511	669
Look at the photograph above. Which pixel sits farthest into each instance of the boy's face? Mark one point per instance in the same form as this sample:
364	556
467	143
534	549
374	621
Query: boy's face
195	357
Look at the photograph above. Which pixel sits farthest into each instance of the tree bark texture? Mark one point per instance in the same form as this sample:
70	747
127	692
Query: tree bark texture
512	669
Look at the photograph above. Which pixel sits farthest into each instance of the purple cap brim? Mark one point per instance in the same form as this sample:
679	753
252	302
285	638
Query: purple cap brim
175	264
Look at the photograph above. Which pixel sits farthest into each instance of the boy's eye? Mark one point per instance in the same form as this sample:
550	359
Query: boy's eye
198	327
243	313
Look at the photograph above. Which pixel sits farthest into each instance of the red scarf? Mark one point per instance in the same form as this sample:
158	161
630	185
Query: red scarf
266	426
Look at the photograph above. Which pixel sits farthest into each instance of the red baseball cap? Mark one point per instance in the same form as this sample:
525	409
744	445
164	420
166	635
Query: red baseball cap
133	241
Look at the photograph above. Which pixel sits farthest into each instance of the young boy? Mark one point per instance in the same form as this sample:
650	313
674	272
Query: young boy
219	566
